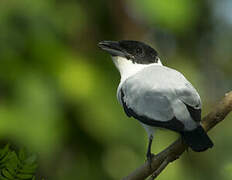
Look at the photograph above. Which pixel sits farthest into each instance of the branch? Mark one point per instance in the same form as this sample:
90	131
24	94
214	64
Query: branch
173	152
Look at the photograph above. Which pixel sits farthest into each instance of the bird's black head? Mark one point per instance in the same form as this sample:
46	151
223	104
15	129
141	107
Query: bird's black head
135	51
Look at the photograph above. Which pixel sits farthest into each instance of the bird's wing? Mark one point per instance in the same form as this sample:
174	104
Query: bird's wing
161	118
157	95
190	97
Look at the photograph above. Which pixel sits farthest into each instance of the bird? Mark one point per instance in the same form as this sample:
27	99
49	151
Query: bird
158	96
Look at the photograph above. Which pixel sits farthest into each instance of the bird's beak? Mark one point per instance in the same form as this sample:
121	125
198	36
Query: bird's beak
114	48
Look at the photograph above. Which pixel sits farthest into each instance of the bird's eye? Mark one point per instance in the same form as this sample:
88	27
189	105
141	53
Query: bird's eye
138	51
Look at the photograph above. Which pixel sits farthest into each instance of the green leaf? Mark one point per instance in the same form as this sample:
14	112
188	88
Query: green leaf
7	174
5	158
24	176
18	166
11	170
28	170
2	178
4	151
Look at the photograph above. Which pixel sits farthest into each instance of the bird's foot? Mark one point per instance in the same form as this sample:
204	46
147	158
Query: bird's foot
149	158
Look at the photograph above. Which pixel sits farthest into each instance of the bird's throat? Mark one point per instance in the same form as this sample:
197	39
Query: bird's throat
127	68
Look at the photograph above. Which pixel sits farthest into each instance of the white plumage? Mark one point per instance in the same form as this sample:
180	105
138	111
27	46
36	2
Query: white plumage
156	95
157	92
161	95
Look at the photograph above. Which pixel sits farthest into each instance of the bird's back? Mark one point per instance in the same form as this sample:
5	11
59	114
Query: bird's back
161	93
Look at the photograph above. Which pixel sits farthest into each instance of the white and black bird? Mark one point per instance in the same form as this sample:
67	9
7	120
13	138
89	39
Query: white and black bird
156	95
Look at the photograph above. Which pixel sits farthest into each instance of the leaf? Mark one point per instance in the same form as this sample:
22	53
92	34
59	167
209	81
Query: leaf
5	158
2	178
11	170
4	151
18	166
24	176
7	174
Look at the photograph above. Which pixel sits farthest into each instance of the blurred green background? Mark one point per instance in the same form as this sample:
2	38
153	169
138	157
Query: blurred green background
58	89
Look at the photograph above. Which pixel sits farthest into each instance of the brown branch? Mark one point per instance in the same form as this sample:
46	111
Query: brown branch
173	152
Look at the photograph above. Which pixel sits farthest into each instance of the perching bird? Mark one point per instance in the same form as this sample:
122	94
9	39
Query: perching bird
156	95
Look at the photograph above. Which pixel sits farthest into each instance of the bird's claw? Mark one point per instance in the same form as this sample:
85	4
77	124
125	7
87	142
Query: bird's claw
149	158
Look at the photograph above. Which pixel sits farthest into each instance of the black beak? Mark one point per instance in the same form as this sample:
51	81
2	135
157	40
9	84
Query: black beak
114	48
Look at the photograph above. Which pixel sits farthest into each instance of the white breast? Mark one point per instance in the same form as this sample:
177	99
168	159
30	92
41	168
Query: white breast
127	68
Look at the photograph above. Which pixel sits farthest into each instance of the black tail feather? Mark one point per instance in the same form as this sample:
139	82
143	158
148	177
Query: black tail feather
197	139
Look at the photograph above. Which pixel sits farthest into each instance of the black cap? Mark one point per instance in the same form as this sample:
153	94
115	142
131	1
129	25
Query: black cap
137	52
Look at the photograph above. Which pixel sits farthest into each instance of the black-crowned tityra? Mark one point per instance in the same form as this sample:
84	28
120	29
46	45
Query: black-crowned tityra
156	95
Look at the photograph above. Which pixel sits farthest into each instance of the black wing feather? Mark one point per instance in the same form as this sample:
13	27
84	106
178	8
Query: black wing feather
173	124
194	113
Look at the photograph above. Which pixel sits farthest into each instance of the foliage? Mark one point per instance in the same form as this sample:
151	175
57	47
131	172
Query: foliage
18	166
57	89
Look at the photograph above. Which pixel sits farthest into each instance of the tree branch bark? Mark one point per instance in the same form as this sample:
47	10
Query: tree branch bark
173	152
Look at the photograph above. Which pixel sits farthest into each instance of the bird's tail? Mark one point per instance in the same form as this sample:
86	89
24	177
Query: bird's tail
197	139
